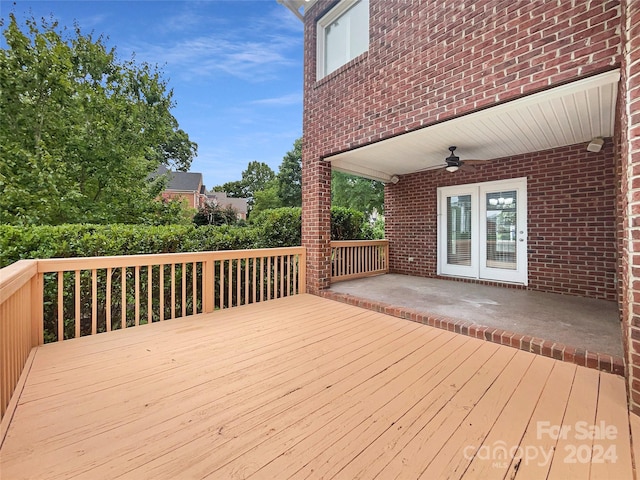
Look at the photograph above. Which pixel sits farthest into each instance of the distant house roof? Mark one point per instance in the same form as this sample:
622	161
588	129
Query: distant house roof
181	181
238	204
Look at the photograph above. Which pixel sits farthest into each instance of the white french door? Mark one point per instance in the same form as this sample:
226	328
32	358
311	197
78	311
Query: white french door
482	230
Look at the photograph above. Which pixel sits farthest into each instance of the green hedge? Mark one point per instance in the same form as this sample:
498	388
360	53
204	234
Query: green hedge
279	227
97	240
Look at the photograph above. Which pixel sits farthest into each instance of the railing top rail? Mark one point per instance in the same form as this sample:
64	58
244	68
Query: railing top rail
358	243
15	276
89	263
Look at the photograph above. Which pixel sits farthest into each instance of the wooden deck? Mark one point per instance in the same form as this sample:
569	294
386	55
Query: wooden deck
304	387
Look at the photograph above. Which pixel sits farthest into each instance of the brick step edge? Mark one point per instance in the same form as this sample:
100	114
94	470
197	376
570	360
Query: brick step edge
558	351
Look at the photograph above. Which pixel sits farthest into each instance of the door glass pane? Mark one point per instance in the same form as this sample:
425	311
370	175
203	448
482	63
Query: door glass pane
459	230
501	229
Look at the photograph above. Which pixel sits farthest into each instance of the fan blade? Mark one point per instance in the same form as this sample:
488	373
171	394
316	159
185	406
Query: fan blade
432	167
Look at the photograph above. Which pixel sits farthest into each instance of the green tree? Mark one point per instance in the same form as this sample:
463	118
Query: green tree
267	199
232	189
290	177
80	132
357	193
212	214
257	177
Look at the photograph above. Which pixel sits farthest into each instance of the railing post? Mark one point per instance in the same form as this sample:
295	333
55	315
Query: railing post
302	271
208	289
37	312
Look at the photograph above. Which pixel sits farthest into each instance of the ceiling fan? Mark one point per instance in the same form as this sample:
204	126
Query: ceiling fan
453	163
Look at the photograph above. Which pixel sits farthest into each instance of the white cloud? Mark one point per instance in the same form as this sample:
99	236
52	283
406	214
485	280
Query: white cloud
253	50
284	100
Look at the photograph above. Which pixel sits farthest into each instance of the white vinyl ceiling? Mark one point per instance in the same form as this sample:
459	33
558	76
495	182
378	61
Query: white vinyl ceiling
573	113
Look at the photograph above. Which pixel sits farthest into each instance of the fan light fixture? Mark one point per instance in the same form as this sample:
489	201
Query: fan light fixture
453	161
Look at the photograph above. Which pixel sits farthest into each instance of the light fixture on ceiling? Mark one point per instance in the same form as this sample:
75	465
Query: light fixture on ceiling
453	161
595	145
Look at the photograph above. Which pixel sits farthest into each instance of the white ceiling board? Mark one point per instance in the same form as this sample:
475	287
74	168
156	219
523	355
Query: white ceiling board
573	113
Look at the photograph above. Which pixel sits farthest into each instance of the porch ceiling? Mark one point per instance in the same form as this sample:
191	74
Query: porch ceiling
565	115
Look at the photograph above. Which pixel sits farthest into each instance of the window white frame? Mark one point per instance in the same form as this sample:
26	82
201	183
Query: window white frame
332	16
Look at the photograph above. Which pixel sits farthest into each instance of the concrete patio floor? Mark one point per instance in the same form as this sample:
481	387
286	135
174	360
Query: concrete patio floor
584	323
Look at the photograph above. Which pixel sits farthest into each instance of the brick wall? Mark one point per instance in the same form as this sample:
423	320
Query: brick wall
429	61
571	199
630	196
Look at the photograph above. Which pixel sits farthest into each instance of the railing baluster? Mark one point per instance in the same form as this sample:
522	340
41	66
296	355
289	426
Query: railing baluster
94	301
194	289
161	292
238	283
137	295
269	278
60	306
123	297
288	279
230	280
262	285
246	280
253	282
149	294
107	300
184	290
173	290
222	285
281	275
77	303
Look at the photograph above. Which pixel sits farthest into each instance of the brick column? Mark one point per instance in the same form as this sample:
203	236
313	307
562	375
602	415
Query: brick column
630	186
316	220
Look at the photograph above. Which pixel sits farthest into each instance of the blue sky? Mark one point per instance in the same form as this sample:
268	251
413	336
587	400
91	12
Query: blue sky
235	67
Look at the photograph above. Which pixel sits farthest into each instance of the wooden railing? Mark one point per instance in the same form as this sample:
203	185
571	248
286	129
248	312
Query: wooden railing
58	299
20	325
358	258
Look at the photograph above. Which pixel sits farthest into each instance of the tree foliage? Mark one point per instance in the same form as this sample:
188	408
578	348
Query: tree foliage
80	132
357	193
267	199
290	177
255	177
212	214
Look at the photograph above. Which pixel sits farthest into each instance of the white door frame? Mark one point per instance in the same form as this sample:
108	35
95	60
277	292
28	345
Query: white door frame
478	268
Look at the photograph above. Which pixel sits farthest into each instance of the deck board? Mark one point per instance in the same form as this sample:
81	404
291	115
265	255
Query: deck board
301	387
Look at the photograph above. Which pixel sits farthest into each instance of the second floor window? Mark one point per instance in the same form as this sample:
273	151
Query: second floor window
343	34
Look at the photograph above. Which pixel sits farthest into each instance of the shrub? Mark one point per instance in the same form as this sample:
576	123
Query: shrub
65	241
346	224
278	227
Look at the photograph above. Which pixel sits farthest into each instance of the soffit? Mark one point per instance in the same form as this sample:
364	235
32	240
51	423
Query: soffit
298	7
566	115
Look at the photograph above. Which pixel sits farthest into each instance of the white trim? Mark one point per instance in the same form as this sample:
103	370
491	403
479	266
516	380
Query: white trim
478	268
470	271
520	274
321	25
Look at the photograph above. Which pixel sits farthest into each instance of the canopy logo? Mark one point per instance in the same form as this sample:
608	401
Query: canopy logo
581	442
